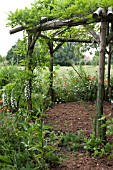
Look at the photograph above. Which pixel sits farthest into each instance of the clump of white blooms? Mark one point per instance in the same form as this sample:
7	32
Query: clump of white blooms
13	100
27	90
5	98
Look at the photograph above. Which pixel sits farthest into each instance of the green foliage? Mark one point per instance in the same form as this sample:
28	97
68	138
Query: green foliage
2	60
13	57
17	55
55	10
72	142
98	147
65	56
40	88
41	56
109	124
25	142
12	84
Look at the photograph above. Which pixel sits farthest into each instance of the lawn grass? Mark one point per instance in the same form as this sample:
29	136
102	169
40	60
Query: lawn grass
90	69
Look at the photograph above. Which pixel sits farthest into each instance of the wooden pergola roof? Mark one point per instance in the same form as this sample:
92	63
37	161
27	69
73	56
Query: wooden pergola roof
44	25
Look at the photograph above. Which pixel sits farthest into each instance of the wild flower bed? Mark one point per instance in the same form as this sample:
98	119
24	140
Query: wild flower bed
75	87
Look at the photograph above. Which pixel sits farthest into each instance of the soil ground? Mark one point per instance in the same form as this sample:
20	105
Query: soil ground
71	117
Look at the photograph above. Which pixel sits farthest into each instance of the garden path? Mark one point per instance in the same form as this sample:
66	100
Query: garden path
71	117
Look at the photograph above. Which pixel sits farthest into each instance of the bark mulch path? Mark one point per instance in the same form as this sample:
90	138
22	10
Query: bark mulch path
71	117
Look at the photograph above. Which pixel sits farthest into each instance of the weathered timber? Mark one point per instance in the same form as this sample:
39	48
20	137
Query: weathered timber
29	57
110	37
51	92
109	69
18	29
60	32
75	40
55	24
100	132
110	12
36	36
93	33
104	13
69	39
97	13
58	46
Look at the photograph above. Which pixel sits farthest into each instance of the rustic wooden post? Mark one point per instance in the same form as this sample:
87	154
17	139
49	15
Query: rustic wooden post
51	93
29	67
109	63
108	78
31	43
106	97
100	132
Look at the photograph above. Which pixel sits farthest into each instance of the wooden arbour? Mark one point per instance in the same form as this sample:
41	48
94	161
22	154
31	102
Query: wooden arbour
102	16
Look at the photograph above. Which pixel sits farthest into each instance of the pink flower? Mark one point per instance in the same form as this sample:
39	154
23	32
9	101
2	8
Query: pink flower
6	118
106	81
64	83
5	107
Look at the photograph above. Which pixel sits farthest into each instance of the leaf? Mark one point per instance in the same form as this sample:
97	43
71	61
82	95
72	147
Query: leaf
5	159
48	147
47	127
37	156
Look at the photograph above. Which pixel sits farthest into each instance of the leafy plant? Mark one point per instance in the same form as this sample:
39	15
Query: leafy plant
25	142
72	141
99	147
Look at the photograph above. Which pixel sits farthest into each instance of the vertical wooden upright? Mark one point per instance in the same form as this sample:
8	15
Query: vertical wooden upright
100	132
29	55
108	78
50	44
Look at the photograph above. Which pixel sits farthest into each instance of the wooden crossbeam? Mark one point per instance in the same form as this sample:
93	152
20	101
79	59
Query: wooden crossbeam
110	37
75	40
69	39
54	24
93	33
58	46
